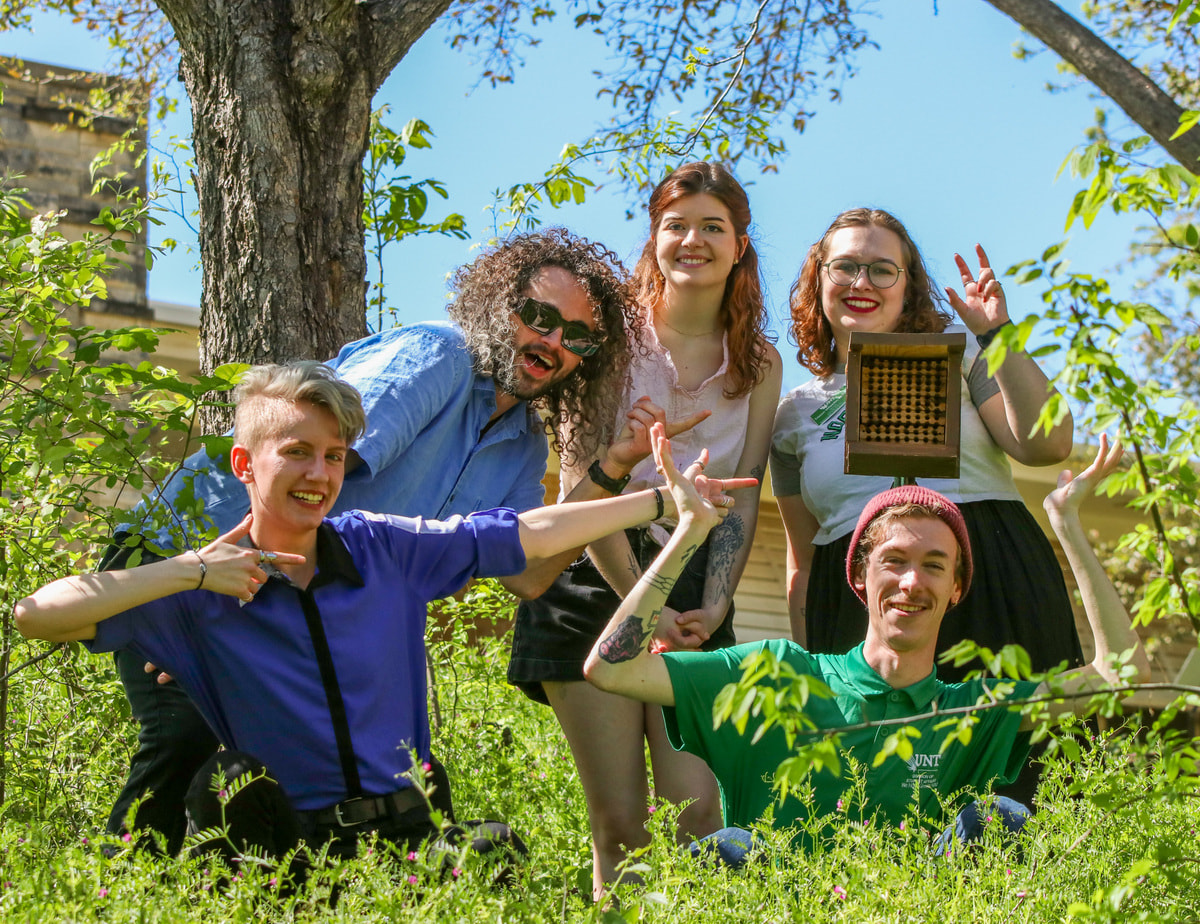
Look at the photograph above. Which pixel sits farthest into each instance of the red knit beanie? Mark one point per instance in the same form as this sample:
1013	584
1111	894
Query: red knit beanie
945	509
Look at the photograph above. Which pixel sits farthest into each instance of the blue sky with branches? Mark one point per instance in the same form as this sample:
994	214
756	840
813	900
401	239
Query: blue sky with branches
941	125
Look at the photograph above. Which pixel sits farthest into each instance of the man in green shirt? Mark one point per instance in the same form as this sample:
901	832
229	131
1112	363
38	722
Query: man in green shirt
909	560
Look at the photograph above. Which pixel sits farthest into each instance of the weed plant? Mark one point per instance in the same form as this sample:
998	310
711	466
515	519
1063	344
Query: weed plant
1114	840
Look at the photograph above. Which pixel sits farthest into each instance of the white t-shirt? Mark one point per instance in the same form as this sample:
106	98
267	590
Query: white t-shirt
808	452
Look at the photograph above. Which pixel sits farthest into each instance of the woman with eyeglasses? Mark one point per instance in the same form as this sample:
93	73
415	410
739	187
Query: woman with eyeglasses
704	349
866	274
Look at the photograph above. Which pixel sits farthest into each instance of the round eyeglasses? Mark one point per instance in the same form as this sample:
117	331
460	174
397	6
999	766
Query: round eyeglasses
882	273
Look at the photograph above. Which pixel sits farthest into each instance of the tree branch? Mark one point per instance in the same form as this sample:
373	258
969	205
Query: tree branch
1138	96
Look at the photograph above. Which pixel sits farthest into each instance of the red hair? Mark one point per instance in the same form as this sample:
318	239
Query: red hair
922	311
743	313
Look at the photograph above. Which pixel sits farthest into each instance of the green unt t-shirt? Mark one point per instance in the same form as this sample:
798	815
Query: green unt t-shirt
745	771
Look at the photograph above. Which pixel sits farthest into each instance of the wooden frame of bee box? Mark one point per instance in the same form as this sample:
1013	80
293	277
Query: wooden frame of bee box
903	396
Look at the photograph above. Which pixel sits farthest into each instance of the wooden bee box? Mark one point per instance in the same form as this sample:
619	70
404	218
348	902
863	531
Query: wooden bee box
903	394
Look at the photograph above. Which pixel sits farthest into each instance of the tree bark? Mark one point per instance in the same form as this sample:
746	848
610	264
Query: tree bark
1136	94
281	96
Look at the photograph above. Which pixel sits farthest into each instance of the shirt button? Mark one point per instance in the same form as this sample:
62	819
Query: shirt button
893	697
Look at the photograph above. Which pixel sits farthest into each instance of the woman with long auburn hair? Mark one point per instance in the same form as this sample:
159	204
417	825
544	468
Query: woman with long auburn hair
705	356
866	274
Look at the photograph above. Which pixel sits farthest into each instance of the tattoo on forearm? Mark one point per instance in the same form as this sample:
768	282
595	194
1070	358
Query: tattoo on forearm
628	640
724	544
658	582
632	565
757	472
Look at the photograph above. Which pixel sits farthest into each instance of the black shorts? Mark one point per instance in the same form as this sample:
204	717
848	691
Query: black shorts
554	633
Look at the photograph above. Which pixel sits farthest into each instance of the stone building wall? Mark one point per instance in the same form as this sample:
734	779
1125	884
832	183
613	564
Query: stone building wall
47	146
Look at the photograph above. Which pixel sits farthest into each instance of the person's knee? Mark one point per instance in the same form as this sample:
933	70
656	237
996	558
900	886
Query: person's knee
619	825
209	792
494	842
726	847
701	817
971	823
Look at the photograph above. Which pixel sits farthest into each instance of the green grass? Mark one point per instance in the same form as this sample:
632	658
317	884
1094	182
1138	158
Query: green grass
1115	839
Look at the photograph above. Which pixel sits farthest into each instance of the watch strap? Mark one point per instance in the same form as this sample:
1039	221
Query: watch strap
601	479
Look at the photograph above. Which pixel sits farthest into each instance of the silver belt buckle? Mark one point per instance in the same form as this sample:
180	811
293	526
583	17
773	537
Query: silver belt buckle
337	813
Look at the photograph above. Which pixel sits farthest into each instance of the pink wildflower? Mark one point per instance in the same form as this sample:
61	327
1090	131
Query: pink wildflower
103	893
652	809
427	767
412	880
412	855
456	872
839	892
126	837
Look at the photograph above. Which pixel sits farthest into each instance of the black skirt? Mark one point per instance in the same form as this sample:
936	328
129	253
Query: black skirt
554	633
1017	594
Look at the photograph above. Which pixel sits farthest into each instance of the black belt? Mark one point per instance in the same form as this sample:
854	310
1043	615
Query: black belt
362	809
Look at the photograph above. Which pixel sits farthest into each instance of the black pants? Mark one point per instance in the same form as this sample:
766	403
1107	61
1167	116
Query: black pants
174	744
260	817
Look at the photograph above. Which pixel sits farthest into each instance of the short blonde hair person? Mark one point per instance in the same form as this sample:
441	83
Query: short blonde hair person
304	380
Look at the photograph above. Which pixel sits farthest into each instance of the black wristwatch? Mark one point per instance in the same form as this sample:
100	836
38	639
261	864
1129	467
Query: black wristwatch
985	339
611	485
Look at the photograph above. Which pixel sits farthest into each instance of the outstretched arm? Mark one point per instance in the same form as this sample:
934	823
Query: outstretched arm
620	662
69	608
547	531
1011	415
627	450
1106	615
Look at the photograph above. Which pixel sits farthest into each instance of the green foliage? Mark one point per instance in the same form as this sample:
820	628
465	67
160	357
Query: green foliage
1113	840
712	61
394	205
84	420
1135	391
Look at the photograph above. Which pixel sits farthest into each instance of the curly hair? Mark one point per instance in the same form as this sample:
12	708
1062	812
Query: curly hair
922	313
743	312
581	410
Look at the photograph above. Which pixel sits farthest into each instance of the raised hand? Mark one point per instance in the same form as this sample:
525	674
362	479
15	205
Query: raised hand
235	570
633	443
982	306
698	498
1071	491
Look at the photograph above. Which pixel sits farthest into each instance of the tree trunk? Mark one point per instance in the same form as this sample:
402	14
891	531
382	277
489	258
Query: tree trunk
281	96
1138	95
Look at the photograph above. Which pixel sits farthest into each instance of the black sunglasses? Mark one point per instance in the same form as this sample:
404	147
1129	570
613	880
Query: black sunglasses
545	319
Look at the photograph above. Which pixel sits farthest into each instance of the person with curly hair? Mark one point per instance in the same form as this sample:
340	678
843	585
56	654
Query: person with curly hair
541	322
866	274
705	355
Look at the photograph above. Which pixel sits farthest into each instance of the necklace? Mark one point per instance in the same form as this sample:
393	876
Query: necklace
683	333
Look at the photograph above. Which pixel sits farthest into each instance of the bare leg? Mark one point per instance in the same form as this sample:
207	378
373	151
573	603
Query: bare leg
679	777
606	737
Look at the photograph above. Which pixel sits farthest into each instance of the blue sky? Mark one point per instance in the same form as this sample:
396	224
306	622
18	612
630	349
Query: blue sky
941	126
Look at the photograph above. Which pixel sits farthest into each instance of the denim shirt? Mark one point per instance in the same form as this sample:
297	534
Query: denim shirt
422	452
